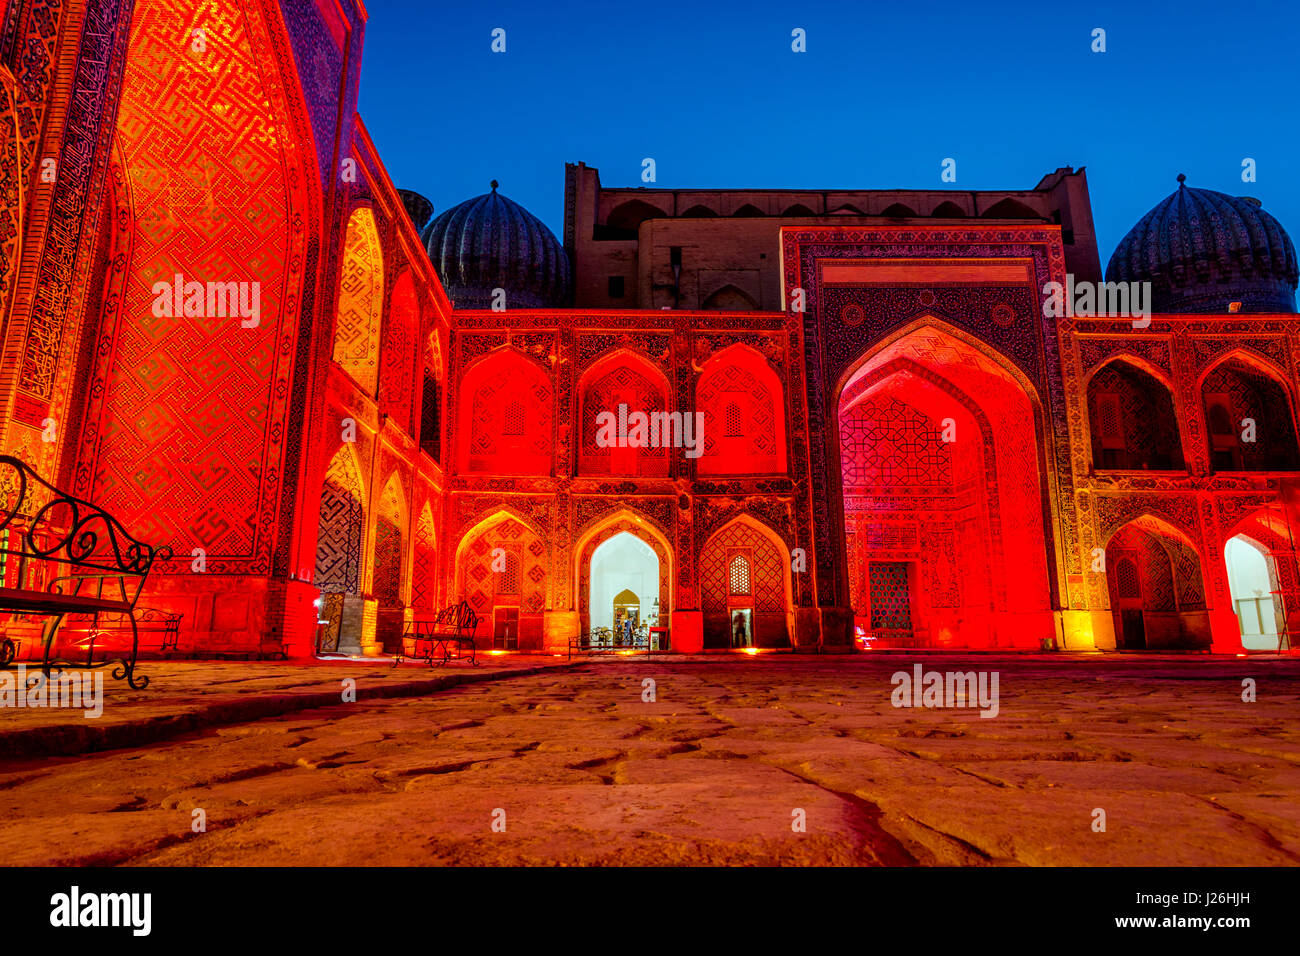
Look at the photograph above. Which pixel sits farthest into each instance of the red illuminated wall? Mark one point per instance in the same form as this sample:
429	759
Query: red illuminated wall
226	439
1143	393
185	431
561	369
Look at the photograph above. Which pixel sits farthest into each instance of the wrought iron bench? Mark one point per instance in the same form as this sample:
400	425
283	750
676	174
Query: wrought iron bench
433	639
60	555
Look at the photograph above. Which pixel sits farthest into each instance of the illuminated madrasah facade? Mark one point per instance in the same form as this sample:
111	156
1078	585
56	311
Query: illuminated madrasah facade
881	433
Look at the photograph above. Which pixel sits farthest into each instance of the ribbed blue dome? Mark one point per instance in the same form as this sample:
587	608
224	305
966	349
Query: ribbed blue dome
492	242
1202	249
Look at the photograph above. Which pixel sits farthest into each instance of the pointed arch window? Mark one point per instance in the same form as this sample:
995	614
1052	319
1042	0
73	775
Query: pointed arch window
1126	575
431	400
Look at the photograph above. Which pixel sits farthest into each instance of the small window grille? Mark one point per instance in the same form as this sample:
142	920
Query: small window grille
732	428
1127	578
513	419
739	573
508	582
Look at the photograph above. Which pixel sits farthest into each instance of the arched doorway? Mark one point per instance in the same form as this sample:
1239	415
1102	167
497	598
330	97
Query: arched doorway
1156	588
939	453
1260	556
622	553
338	555
622	567
1131	632
501	571
1253	585
627	615
390	549
745	587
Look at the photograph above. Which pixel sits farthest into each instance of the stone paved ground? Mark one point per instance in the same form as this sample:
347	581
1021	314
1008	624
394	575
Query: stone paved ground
711	772
188	695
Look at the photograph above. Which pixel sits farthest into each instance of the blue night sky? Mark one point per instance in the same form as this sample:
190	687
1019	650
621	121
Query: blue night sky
713	92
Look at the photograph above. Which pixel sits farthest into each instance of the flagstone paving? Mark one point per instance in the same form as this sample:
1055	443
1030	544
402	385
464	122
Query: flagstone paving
719	765
184	696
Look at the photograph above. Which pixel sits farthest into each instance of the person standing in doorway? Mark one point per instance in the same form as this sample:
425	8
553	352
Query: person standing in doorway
740	633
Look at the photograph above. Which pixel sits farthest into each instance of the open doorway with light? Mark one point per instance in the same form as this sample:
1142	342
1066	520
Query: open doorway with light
623	584
1252	582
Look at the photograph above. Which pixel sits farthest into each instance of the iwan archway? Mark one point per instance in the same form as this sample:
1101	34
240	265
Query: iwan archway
501	571
943	501
622	589
1156	589
1256	596
624	553
745	587
1263	579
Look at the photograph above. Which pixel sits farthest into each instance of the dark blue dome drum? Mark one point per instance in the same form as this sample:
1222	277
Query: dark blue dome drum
491	242
417	207
1202	250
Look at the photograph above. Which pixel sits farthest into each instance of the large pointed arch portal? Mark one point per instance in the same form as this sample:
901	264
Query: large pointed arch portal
943	535
854	293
